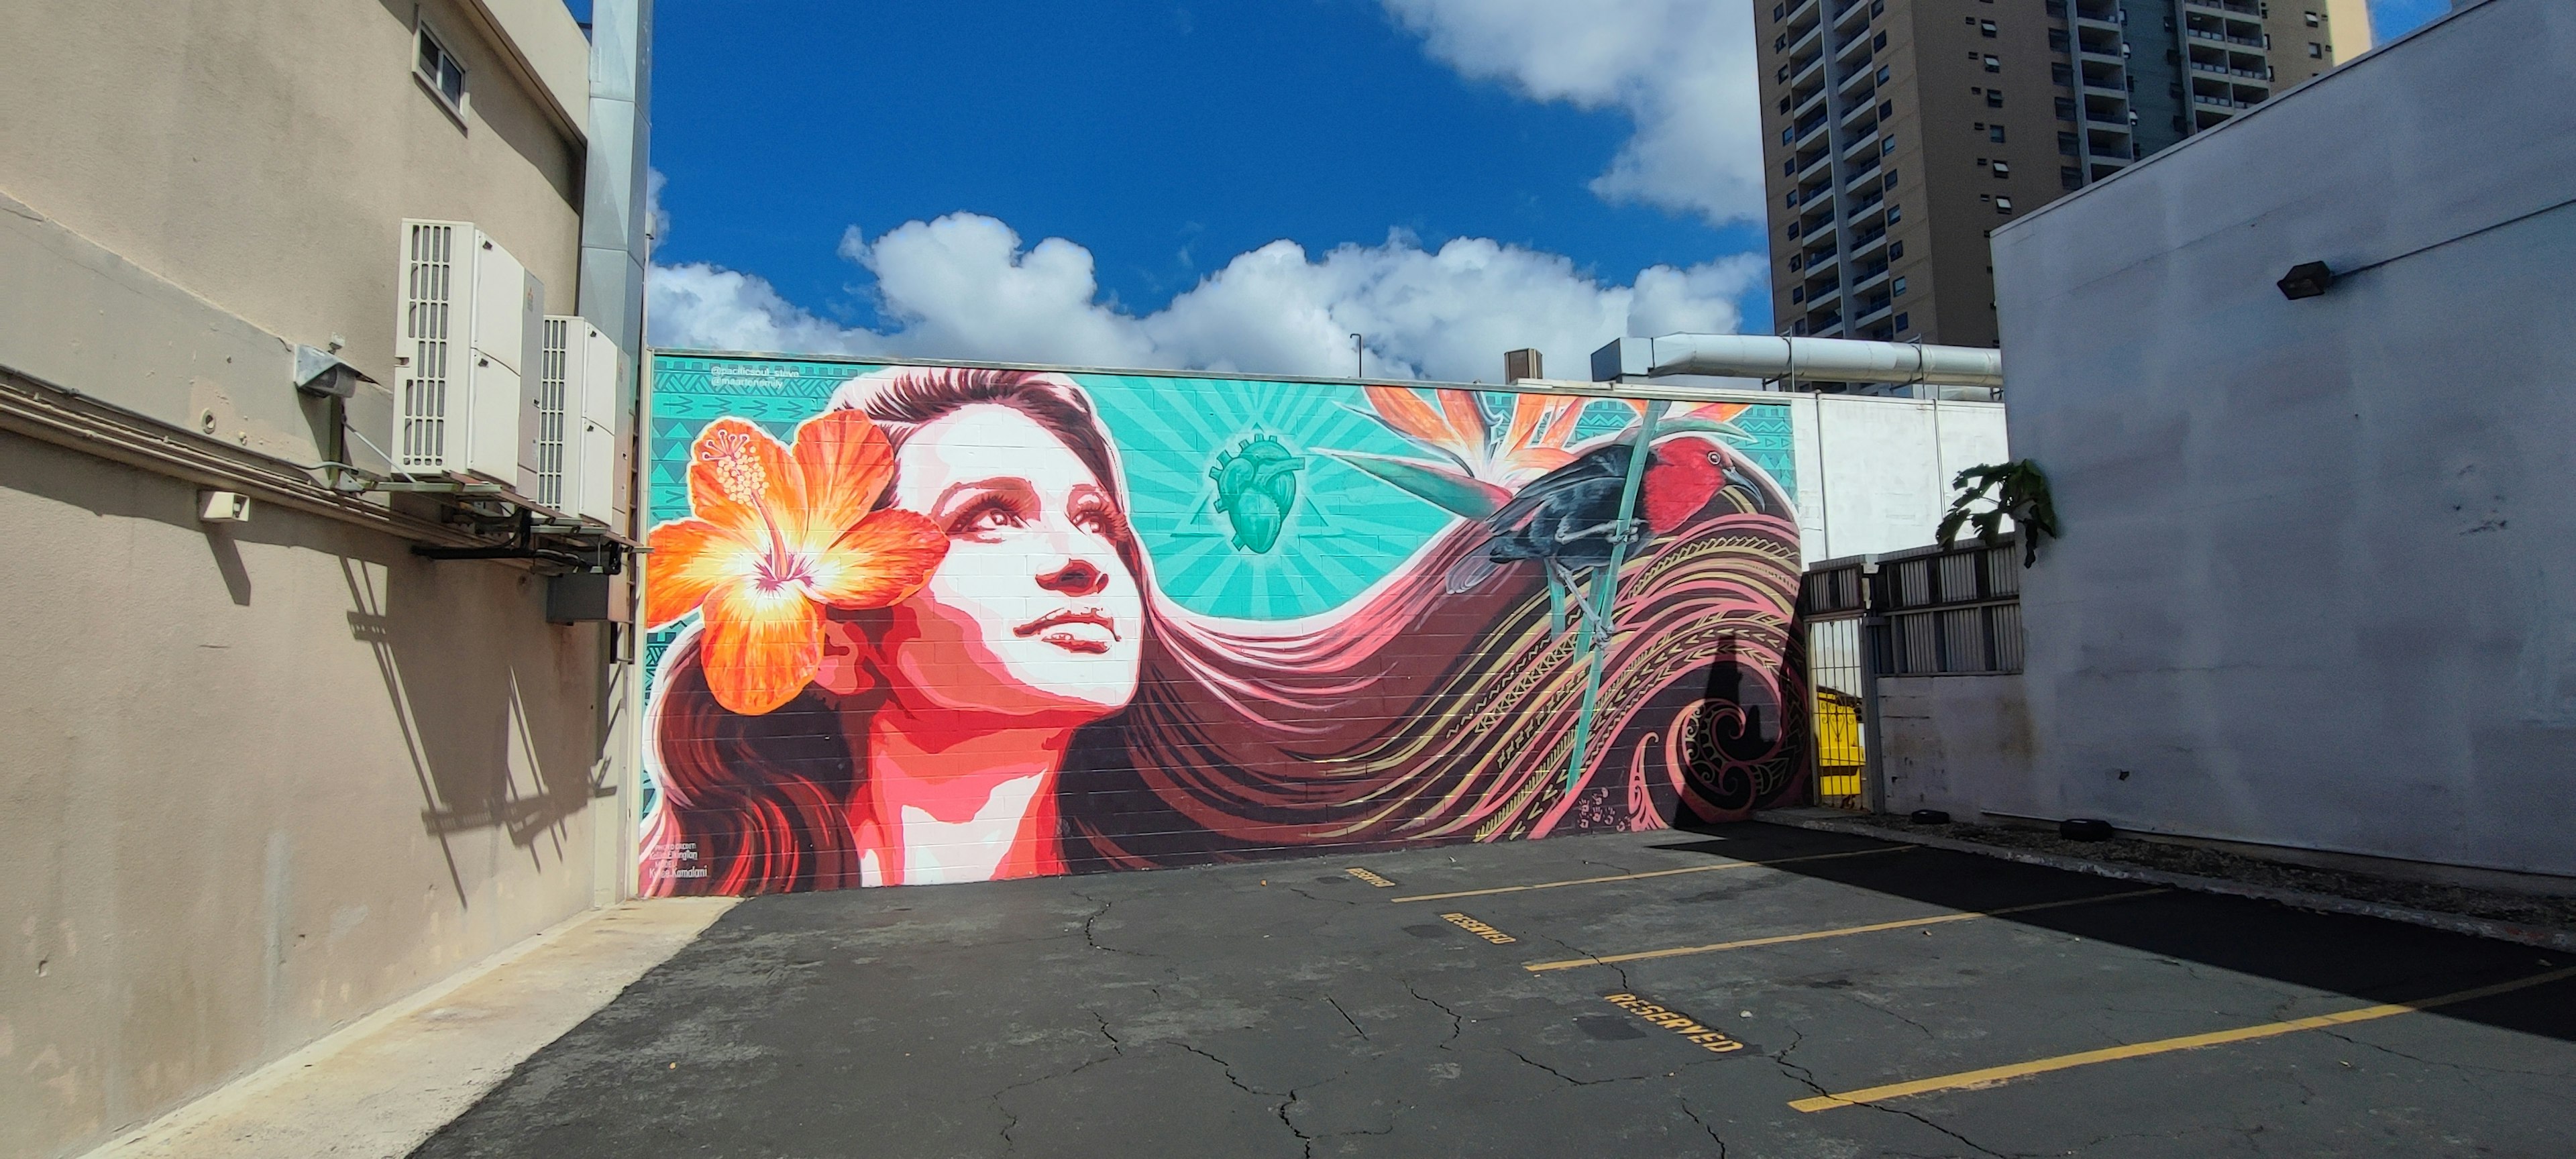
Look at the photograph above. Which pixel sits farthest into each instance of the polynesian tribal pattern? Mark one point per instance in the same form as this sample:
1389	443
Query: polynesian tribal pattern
919	624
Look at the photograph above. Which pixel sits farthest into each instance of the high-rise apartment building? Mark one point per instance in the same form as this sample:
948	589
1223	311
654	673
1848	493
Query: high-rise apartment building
1899	132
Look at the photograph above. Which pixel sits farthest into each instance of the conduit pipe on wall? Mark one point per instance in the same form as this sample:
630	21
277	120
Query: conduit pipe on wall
51	414
1819	359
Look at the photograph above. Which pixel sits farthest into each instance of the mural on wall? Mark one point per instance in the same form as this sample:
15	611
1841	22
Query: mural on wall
915	624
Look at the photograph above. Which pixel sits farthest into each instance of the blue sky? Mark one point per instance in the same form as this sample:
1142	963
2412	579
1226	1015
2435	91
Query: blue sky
1166	138
1448	177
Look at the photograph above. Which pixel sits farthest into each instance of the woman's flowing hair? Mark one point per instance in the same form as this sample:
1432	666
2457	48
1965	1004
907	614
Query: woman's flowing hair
1409	715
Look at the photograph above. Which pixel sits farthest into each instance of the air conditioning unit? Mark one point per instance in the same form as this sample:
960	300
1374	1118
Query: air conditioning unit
581	460
466	363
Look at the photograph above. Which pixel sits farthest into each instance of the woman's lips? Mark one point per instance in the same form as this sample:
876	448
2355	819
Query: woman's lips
1073	630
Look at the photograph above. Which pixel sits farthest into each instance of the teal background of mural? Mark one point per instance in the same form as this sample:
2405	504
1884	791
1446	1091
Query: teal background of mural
1345	530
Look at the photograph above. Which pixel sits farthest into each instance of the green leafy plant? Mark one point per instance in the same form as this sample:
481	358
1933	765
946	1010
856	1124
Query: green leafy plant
2017	489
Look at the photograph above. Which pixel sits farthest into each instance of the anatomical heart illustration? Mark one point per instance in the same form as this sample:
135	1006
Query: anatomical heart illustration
1256	486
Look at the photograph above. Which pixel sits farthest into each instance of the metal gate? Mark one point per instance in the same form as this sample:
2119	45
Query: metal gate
1834	602
1923	612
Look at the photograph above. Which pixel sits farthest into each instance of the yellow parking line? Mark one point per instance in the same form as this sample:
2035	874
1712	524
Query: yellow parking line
1847	931
2000	1074
1648	873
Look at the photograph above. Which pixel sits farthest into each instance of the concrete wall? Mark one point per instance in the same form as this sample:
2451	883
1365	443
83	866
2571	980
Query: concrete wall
2318	581
1945	739
1874	473
260	781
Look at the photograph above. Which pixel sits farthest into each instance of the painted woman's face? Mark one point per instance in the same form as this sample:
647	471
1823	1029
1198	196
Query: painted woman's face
1032	613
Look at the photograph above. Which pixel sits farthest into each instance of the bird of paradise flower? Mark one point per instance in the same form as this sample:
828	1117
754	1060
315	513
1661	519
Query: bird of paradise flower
776	534
1479	466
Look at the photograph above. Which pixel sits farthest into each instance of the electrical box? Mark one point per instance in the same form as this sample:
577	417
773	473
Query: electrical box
587	596
469	343
581	409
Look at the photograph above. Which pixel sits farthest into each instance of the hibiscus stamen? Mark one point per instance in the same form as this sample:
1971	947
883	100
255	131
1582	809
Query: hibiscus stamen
738	471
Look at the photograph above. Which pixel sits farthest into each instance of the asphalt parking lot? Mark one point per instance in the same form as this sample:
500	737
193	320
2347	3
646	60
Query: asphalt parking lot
1748	991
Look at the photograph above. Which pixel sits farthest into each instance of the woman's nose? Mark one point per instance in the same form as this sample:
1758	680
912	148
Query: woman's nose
1078	577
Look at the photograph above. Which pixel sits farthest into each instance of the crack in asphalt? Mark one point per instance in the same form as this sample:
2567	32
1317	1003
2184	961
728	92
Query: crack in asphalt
1457	1021
1301	892
1093	937
1579	952
1704	1125
2464	1066
1287	1099
1117	1049
1346	1017
1625	1078
1803	1075
1927	1031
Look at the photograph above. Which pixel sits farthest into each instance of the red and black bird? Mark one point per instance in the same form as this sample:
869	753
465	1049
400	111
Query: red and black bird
1568	519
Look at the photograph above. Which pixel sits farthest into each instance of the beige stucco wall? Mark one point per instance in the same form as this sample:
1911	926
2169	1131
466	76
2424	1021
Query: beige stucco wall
245	149
2353	34
257	784
260	782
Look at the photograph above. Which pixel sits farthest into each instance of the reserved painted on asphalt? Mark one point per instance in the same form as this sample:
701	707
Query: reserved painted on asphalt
1712	1041
1479	929
1371	878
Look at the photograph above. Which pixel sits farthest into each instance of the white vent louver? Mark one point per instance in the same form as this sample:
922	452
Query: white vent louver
550	415
428	302
578	405
469	329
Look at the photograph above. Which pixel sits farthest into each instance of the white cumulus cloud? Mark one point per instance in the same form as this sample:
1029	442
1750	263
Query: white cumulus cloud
1682	70
964	286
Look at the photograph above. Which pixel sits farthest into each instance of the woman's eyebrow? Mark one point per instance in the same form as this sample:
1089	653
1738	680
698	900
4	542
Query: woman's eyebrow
971	488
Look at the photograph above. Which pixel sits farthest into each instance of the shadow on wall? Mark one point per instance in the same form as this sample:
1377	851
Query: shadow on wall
499	713
494	741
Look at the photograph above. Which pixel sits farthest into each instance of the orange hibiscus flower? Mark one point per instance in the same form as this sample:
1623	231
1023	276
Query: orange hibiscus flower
777	534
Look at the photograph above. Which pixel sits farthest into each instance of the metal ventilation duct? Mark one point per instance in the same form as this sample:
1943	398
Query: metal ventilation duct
1813	359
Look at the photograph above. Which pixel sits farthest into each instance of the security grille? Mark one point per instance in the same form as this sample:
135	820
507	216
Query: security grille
1951	612
429	294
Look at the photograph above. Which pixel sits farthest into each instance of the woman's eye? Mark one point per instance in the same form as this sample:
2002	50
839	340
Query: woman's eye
1099	521
988	517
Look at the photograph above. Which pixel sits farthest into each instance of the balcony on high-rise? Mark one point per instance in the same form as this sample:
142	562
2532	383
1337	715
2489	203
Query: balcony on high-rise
2099	12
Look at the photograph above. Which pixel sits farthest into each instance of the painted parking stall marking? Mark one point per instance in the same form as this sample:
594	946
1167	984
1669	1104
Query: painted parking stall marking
1995	1075
1371	878
1723	865
1691	1029
1818	935
1478	928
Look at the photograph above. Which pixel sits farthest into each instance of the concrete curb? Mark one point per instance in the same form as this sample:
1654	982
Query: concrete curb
2540	936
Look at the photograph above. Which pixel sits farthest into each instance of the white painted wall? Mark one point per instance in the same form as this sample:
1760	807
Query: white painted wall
1945	739
2318	581
1874	473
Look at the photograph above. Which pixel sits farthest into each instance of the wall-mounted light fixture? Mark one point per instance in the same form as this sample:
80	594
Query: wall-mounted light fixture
223	507
2306	280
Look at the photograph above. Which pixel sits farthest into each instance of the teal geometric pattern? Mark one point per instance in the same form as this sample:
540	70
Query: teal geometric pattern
1346	530
1770	449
